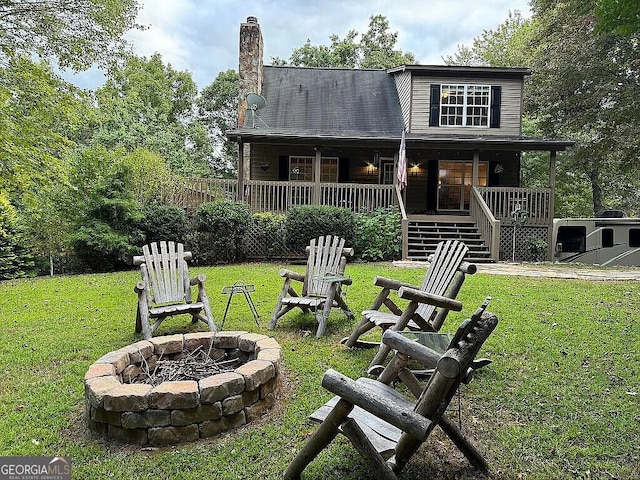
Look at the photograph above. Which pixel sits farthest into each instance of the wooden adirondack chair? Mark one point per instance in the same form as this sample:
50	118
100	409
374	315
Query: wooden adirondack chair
387	428
165	288
444	277
321	284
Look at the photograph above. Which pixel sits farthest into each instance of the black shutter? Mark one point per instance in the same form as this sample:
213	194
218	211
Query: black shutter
434	106
343	170
283	168
496	99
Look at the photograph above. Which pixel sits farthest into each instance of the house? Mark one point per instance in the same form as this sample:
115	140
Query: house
332	136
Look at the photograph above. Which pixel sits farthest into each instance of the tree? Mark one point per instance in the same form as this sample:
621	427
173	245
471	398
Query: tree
618	16
106	235
40	117
147	104
509	45
376	49
586	88
218	112
76	33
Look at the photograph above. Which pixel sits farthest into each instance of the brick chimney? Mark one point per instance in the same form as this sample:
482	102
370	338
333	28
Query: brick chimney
251	63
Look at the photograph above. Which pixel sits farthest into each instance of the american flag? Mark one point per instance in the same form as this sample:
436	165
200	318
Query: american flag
402	164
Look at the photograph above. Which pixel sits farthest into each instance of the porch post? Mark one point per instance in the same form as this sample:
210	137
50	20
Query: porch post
552	199
475	168
240	192
316	176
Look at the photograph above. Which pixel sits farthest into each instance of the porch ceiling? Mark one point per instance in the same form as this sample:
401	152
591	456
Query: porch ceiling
413	140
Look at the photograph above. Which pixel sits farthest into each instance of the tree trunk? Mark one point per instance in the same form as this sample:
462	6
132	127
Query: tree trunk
596	190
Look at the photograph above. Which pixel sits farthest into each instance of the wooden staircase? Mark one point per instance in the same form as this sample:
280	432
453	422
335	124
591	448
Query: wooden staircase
425	233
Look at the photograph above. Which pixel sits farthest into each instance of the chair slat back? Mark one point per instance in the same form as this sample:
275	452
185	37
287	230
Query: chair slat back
167	271
325	257
442	269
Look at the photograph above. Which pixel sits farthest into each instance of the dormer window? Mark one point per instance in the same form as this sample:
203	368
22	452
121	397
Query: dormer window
465	105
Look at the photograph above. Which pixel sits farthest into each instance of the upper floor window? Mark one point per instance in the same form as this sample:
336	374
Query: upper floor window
465	105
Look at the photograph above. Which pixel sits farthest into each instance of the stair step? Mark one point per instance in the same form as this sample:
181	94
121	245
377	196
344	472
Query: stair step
424	236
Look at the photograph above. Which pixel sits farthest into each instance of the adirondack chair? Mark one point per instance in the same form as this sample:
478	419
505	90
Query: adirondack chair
444	277
387	428
165	288
321	284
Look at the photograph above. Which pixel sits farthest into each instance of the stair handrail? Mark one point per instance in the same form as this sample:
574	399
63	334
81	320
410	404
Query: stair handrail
405	223
488	225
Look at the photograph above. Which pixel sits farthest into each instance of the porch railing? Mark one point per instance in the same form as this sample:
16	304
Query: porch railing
504	200
488	225
278	197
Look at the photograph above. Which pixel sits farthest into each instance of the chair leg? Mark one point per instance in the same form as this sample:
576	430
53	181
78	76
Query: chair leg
277	312
473	455
367	451
143	312
322	437
365	325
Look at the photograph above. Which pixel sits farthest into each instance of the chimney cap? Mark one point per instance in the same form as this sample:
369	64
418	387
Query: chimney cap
252	19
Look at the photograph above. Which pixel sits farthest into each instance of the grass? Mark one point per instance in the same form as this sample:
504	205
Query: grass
561	399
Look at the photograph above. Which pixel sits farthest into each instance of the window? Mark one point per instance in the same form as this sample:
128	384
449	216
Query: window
573	239
607	237
301	169
465	105
634	237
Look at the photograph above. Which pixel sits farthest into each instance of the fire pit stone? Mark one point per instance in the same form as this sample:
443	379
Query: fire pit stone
122	408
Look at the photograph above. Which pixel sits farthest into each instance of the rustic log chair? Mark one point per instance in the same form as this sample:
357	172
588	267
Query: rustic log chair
387	428
444	277
165	288
321	284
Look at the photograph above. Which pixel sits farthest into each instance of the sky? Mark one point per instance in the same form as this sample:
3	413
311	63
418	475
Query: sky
202	36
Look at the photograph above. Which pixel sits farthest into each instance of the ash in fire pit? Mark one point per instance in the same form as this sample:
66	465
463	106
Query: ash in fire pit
182	387
195	365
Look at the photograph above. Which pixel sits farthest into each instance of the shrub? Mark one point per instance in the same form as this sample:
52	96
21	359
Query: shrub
310	221
378	235
164	222
269	235
535	249
221	230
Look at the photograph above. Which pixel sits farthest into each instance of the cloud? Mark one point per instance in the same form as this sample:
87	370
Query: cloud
201	36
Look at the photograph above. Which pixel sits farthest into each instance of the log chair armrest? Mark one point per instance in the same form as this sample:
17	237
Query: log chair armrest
140	287
416	295
418	352
389	283
291	275
198	279
377	404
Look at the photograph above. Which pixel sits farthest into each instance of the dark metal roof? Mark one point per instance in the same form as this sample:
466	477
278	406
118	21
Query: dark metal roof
303	100
462	71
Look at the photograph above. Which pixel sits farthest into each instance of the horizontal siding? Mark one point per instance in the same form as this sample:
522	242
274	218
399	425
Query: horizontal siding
510	115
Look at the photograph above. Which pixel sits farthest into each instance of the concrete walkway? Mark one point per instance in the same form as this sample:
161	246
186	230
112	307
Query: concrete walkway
548	270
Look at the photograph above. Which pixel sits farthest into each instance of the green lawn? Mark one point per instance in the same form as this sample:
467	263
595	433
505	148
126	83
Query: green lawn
561	399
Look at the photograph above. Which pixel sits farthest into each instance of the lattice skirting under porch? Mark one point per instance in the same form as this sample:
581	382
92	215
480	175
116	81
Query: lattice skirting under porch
269	244
521	234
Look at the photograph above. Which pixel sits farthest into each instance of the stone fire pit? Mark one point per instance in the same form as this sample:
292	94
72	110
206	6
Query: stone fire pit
183	410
